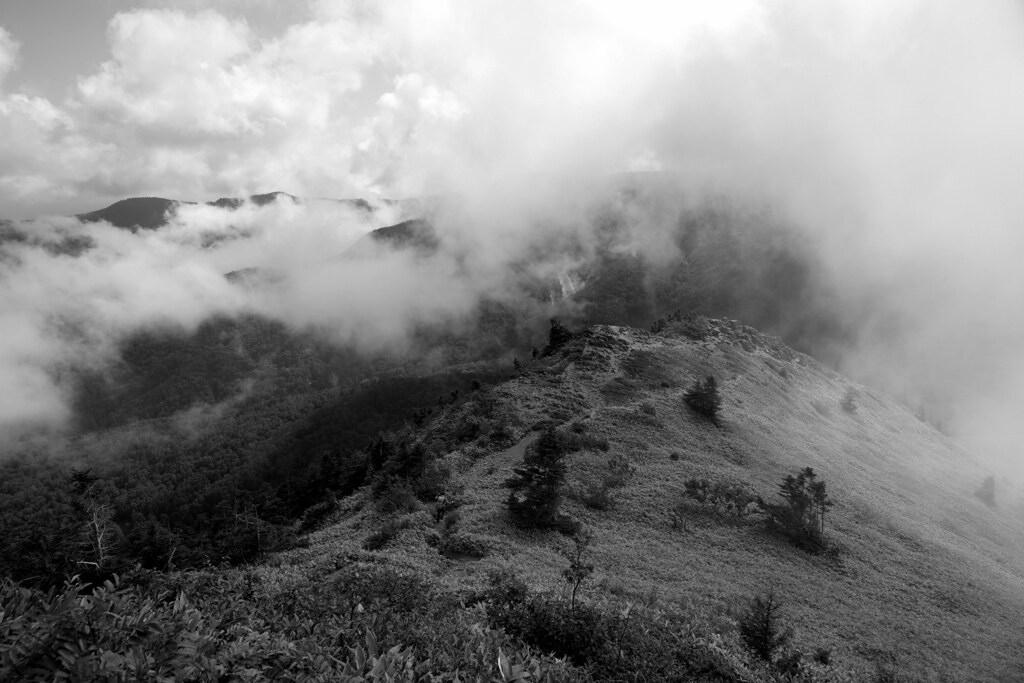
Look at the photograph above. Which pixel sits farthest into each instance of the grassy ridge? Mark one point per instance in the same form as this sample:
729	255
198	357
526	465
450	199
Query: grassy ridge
924	578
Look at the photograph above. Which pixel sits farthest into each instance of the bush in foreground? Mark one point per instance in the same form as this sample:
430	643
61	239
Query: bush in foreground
631	644
358	623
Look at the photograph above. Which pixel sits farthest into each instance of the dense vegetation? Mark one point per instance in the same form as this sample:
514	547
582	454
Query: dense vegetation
266	437
355	622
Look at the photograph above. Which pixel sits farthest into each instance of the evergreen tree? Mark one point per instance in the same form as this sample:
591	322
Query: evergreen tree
987	492
760	628
536	486
703	398
849	402
558	336
802	517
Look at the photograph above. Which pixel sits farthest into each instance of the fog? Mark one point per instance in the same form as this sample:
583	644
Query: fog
887	133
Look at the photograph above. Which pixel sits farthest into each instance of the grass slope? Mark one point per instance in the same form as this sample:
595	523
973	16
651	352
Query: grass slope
926	579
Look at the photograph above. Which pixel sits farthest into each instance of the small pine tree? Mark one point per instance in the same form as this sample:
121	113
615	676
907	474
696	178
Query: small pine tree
536	486
558	336
849	402
760	628
703	398
802	517
987	492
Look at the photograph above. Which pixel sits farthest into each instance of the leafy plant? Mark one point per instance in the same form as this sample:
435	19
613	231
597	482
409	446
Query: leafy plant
598	496
619	471
458	546
384	535
729	498
628	644
316	514
578	571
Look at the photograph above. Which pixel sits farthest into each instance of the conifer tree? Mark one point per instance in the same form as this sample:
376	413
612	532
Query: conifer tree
987	492
558	336
536	486
703	398
760	627
802	517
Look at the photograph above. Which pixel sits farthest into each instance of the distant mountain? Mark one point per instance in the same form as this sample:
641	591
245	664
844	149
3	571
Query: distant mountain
417	234
150	213
145	213
257	199
256	277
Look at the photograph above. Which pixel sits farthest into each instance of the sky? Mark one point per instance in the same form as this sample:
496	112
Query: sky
887	131
102	99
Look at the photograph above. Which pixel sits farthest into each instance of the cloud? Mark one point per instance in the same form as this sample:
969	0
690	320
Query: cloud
886	132
65	309
8	53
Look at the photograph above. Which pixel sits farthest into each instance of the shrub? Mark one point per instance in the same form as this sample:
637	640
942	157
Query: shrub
849	402
632	644
380	538
619	471
802	516
760	627
703	398
690	325
987	492
598	497
357	623
316	514
574	440
729	498
450	520
461	546
394	495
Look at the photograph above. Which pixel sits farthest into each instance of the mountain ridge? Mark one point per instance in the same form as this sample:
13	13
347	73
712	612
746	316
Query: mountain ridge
151	213
912	547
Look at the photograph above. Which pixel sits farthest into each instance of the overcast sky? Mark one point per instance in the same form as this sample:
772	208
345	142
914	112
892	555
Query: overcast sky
102	99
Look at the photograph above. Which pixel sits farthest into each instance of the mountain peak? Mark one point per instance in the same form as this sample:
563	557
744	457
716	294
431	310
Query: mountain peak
134	213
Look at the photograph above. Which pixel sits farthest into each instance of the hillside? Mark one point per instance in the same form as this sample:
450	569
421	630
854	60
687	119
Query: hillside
923	577
203	451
